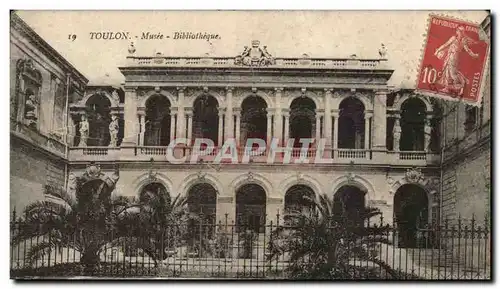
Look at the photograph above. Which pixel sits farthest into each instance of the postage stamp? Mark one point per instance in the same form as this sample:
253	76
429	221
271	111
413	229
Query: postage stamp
453	61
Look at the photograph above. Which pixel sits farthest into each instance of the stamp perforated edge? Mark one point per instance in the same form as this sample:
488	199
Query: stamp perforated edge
421	60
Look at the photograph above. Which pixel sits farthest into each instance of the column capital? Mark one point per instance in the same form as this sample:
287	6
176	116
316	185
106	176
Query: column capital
222	111
229	89
141	110
328	90
270	110
174	110
278	89
319	110
181	89
368	115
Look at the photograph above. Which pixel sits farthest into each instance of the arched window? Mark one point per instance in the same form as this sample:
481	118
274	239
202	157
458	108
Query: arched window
253	118
206	118
349	202
411	211
298	200
98	108
302	119
413	117
351	126
251	208
157	131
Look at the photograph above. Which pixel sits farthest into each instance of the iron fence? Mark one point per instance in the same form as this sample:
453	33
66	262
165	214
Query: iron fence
458	250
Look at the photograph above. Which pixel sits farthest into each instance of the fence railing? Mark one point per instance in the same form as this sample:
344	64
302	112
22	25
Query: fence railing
225	249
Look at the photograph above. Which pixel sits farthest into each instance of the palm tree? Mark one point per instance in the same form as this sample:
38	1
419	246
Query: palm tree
321	245
158	225
81	222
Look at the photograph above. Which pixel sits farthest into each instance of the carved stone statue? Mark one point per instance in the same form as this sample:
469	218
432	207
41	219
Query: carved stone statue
72	184
396	132
427	135
113	130
382	51
84	131
31	108
116	98
254	56
131	48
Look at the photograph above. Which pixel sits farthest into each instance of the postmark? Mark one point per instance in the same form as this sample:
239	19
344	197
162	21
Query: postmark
453	61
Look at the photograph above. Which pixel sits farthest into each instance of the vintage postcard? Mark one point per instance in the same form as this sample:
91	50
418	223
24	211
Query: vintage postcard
250	145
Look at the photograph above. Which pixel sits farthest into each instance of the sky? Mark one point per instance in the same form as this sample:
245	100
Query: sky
327	34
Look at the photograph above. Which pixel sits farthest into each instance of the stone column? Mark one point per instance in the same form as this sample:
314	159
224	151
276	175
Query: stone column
237	114
287	126
130	117
269	126
221	128
229	130
278	119
173	113
181	126
379	120
328	118
367	131
318	125
189	115
335	116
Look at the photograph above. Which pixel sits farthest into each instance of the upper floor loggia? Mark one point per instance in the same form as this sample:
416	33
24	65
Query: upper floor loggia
345	101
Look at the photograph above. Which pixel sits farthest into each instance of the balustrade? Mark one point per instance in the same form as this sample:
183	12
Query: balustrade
351	153
413	155
314	63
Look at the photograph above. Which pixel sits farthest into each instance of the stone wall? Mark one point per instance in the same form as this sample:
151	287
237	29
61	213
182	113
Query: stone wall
30	170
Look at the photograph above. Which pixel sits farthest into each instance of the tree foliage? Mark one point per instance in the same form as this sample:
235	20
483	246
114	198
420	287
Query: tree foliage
323	244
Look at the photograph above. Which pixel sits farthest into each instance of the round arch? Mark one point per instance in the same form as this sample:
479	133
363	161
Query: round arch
412	210
308	94
244	95
402	100
251	178
302	180
367	103
85	99
195	179
423	183
355	181
168	95
220	100
144	179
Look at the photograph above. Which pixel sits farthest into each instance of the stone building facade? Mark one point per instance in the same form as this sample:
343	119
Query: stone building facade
382	144
467	156
41	84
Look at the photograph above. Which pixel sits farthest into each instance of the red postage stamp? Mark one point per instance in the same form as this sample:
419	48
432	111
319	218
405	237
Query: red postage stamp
454	60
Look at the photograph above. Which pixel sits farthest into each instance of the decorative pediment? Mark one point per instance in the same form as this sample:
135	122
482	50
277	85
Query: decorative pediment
255	56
